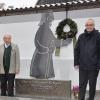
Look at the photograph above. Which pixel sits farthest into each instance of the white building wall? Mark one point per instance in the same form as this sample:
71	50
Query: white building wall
23	29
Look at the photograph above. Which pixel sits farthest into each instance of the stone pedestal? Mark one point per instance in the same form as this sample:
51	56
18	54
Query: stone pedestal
43	88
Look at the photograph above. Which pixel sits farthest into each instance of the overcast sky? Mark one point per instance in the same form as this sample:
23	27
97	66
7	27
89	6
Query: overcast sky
19	3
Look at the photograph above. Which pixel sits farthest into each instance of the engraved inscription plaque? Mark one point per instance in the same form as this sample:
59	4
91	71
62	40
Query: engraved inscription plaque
45	88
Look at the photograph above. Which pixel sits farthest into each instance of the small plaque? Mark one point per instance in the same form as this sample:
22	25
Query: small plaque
43	88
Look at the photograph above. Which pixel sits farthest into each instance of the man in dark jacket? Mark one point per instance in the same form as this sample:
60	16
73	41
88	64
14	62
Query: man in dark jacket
87	59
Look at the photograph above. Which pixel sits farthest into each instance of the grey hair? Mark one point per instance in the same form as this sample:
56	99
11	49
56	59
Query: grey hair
92	20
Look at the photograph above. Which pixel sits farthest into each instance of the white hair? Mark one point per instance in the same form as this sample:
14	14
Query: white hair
7	35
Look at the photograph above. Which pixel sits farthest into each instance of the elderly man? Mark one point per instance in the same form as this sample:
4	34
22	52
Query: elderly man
9	65
87	59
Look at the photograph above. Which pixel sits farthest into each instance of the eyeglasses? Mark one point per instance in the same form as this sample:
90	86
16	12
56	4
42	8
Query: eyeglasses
89	25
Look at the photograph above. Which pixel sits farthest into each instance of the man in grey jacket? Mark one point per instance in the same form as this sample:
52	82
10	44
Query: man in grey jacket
9	65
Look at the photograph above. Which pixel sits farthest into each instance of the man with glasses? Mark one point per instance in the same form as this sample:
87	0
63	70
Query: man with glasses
87	59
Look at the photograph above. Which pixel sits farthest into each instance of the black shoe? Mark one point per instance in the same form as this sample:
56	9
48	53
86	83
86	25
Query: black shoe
3	94
89	99
11	95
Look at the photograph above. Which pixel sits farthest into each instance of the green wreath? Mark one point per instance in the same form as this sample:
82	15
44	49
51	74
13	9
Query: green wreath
73	29
64	35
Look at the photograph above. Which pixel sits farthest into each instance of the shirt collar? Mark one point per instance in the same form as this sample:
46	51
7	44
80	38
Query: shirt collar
6	45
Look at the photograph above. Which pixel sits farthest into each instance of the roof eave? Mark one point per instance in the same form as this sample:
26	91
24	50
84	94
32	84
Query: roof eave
56	8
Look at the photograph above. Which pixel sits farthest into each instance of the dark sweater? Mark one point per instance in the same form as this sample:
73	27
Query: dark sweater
6	59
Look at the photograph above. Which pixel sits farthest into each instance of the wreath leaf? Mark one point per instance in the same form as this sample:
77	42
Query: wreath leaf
73	29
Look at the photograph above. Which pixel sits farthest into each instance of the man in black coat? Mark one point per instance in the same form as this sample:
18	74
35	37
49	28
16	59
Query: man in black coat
87	59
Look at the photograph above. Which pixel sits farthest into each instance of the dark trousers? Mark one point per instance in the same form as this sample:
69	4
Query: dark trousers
7	84
86	76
